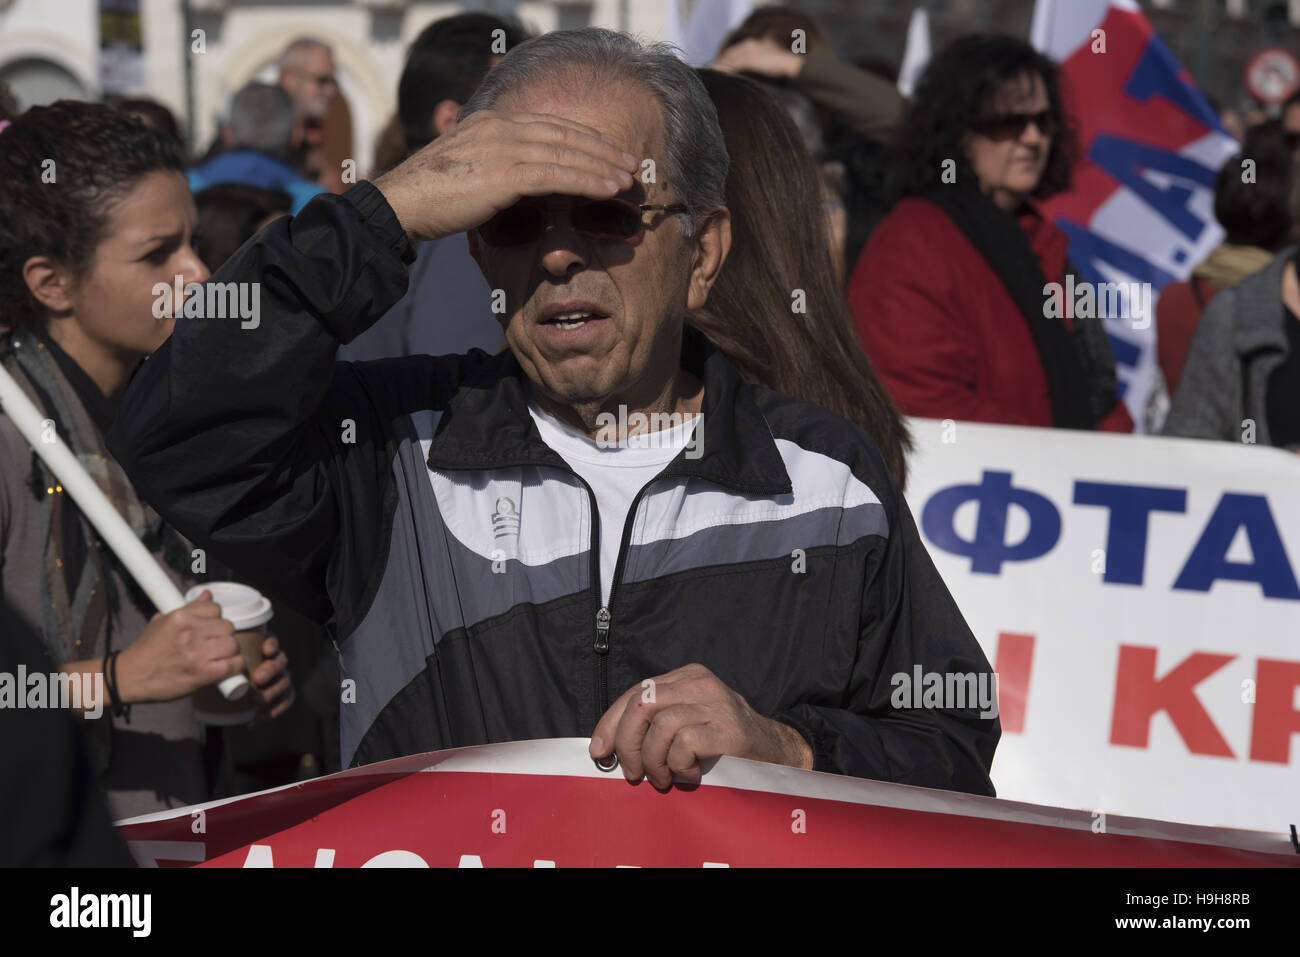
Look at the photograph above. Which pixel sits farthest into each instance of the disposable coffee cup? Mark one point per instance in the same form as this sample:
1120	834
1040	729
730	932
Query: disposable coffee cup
231	701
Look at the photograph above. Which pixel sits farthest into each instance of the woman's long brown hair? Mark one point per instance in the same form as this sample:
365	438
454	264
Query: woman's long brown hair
779	245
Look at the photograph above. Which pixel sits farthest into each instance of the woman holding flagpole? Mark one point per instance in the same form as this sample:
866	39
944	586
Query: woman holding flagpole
94	213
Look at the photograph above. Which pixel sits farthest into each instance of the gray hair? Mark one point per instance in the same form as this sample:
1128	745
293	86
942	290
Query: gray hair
293	53
262	117
695	154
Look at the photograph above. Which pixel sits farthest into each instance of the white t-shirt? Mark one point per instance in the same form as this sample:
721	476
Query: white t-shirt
615	474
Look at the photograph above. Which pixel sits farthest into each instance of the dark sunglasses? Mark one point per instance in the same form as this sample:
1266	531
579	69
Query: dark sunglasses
1011	126
605	220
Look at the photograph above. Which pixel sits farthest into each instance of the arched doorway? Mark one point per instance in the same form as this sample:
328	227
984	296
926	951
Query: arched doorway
35	81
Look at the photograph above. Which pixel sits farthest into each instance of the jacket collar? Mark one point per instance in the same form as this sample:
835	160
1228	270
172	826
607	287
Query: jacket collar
1258	314
487	425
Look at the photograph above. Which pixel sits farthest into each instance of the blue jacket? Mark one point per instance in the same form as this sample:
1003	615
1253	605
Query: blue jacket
252	168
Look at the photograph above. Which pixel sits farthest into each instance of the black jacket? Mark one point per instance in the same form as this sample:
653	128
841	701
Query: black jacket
413	502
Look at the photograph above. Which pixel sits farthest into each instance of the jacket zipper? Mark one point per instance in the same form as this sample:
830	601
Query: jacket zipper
604	613
604	617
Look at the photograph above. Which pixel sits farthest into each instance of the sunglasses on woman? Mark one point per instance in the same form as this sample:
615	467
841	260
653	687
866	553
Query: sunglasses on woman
1011	126
604	220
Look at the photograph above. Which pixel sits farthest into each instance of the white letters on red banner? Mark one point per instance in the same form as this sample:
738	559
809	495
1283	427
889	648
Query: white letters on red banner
544	804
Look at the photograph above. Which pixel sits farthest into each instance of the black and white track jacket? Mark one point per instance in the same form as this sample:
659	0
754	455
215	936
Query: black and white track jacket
412	503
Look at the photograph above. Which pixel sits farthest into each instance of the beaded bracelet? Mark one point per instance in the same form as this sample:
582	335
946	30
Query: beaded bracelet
110	678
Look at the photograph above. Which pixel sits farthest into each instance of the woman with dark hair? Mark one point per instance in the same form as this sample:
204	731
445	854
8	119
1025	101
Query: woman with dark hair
951	295
152	113
94	214
857	168
1253	211
776	309
1241	380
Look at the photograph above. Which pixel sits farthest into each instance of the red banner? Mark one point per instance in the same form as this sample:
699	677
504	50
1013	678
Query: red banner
545	804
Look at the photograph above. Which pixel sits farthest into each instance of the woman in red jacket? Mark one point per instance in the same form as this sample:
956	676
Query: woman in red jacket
950	296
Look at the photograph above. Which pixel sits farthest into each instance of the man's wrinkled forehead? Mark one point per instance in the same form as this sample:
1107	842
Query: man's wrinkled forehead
622	109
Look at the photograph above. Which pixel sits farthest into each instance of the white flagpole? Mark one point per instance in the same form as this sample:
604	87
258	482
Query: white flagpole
94	504
1040	28
917	52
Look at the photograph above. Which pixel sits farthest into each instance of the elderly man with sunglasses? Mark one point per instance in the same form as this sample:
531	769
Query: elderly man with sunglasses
600	532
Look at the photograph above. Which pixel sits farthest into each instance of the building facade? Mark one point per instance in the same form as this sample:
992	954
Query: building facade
191	55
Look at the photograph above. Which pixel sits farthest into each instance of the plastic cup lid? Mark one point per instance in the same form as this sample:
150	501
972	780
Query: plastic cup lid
242	606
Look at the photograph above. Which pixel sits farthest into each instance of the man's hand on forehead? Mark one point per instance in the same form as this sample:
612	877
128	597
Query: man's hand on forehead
491	160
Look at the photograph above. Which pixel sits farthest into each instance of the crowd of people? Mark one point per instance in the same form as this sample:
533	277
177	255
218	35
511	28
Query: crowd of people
812	258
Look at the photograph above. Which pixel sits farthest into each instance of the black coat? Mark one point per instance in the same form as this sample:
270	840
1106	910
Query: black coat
413	501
